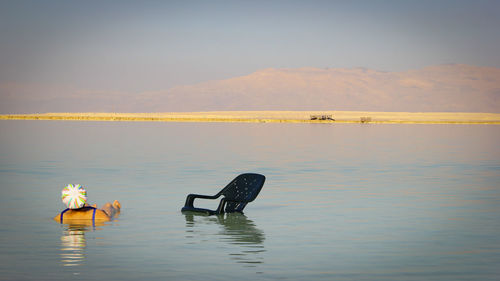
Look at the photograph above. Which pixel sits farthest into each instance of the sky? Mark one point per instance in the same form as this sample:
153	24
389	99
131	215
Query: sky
138	46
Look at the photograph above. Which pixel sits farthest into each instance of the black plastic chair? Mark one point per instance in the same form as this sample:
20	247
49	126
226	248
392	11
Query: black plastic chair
243	189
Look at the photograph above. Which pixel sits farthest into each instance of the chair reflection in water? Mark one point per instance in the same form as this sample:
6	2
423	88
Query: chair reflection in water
236	195
237	230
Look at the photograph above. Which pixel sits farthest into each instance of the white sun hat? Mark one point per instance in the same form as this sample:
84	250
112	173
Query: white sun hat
74	196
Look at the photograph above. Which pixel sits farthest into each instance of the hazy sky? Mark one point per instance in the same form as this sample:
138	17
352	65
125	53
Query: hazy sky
153	45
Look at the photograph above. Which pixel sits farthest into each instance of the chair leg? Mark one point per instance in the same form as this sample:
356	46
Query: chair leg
222	204
189	201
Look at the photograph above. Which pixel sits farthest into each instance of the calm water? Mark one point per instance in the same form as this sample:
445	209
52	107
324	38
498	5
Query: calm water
341	202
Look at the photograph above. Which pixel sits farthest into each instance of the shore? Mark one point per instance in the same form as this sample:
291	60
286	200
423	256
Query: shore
274	117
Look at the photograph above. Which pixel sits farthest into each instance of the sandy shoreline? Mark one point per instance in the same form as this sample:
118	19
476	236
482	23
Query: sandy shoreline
274	117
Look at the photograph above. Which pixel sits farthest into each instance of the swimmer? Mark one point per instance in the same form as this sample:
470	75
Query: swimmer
106	213
75	197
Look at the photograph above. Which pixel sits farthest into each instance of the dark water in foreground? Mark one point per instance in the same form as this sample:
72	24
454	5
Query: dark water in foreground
341	202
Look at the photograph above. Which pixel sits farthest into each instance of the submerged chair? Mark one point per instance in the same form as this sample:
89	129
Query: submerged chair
243	189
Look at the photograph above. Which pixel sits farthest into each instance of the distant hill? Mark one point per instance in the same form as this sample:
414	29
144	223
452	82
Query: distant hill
440	88
435	88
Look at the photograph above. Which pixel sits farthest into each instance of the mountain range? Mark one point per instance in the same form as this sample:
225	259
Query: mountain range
439	88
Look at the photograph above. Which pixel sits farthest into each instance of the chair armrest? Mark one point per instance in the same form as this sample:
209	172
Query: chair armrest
190	198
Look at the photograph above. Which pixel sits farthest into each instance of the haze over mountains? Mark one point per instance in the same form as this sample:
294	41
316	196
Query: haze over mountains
440	88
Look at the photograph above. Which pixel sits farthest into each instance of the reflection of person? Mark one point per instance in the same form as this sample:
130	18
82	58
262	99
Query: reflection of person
72	245
75	198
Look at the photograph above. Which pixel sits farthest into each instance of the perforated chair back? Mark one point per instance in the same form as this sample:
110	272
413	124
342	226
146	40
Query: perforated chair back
243	189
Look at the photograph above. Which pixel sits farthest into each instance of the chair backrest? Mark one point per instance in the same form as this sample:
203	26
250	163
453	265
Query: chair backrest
244	188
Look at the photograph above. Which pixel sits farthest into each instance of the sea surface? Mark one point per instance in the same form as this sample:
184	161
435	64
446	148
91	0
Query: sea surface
340	201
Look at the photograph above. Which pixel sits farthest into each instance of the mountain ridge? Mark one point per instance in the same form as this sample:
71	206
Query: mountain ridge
435	88
451	87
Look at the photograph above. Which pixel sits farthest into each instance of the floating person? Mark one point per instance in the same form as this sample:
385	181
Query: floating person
75	198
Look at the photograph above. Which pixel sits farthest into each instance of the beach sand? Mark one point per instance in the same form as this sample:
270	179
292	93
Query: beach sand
274	117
